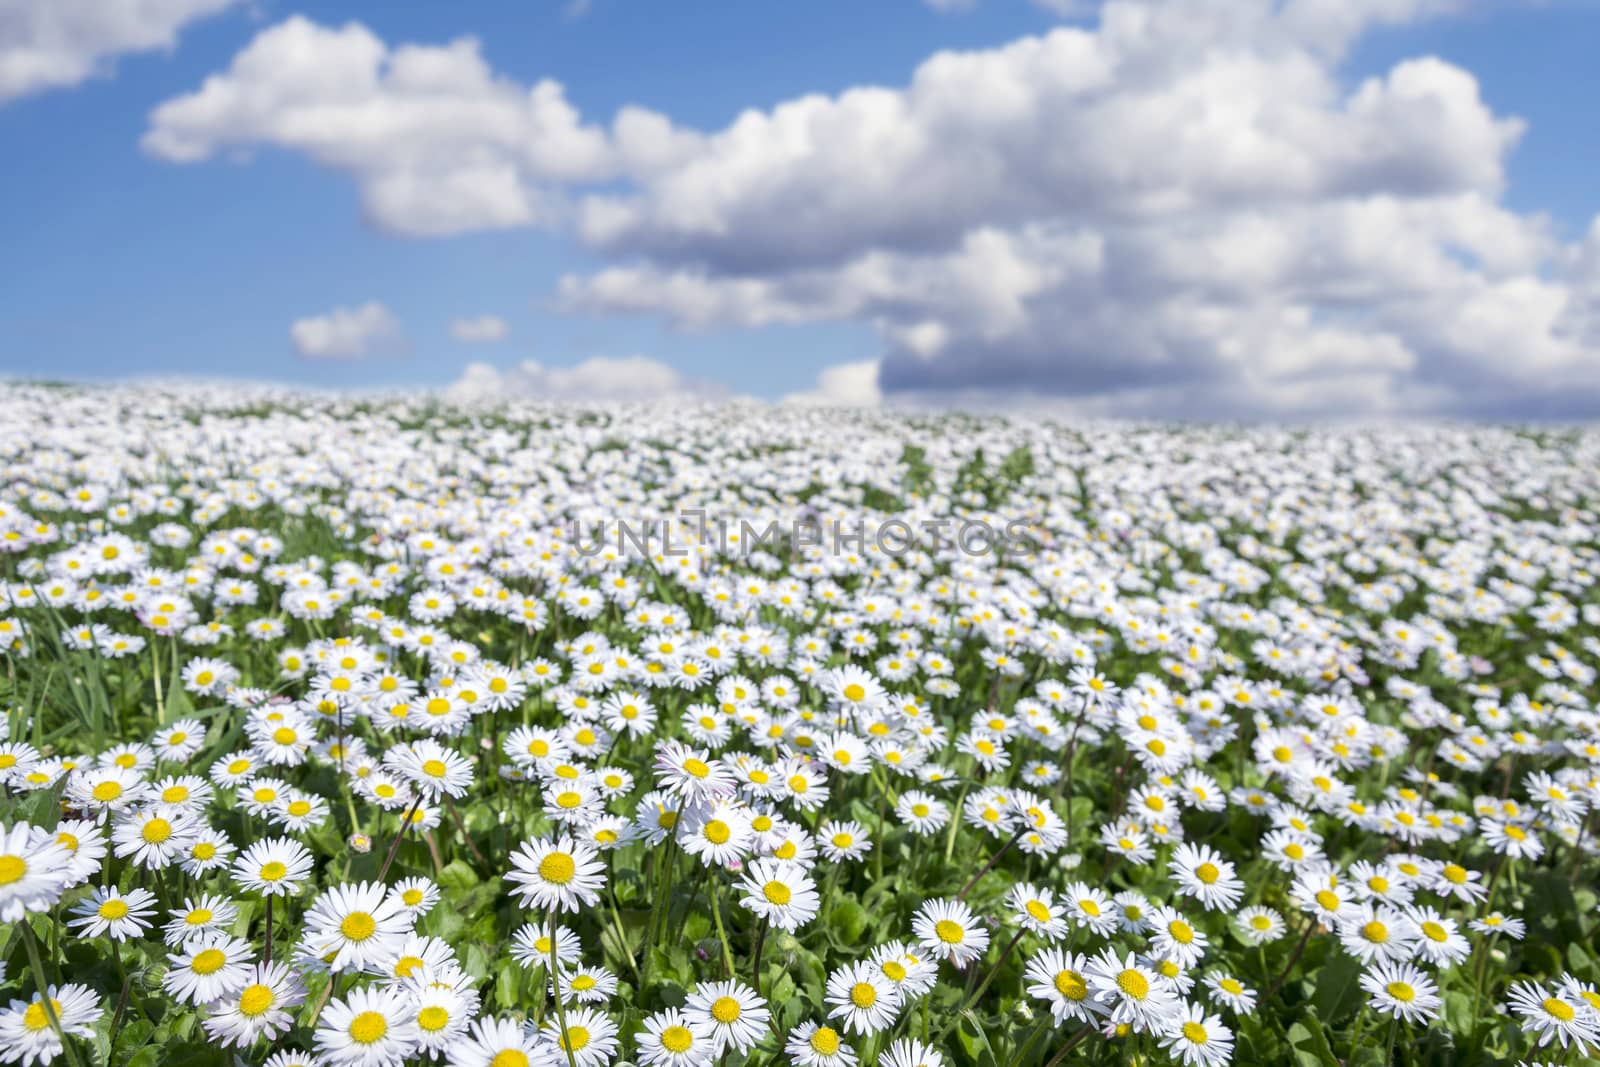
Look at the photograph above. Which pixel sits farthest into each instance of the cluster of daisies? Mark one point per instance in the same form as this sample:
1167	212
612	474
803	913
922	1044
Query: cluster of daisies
340	733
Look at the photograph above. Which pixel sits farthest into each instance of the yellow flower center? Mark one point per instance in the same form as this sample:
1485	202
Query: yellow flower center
777	893
1208	873
558	867
1133	984
725	1010
677	1038
950	933
208	962
12	869
826	1041
1194	1033
368	1028
1071	985
255	999
1560	1009
358	926
718	832
35	1018
1401	991
862	995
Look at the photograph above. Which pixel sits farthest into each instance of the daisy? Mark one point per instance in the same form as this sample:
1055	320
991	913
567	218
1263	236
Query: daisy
153	838
1548	1017
1228	992
779	892
209	851
1457	881
84	842
371	1027
208	968
1259	925
33	872
736	1014
1378	932
692	773
530	946
909	1052
1131	993
844	842
586	985
1439	940
589	1037
1204	874
1496	923
274	867
1057	978
810	1045
432	769
914	974
861	997
921	812
558	875
493	1042
1037	911
353	926
1175	938
416	895
107	911
1401	991
1199	1039
26	1033
950	931
106	789
1089	907
674	1038
260	1008
442	1016
719	835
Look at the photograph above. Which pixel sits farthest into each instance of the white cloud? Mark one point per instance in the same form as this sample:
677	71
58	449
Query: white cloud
843	385
435	141
1186	206
598	379
485	329
347	333
55	44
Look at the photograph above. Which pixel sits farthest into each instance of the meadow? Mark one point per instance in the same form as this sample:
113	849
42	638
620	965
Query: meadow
381	731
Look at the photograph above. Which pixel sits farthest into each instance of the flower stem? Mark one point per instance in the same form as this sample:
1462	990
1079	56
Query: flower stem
555	984
42	980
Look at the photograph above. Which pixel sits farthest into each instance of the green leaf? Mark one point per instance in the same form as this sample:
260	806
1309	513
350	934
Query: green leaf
457	876
1311	1048
848	920
1338	989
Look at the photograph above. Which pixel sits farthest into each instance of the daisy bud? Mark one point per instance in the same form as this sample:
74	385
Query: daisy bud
361	843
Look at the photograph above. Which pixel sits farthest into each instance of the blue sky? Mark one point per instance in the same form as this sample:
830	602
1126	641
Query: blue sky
120	263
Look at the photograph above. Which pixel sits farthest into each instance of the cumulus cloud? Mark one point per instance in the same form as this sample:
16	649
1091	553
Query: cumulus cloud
485	329
1185	207
347	333
436	142
1125	221
602	379
54	44
843	385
